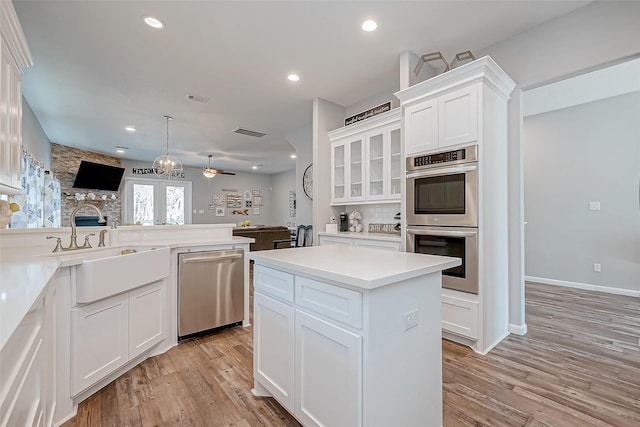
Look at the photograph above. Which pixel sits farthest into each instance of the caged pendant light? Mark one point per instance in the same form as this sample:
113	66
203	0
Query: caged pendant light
167	165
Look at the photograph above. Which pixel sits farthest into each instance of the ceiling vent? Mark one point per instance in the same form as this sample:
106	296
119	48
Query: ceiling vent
249	132
196	98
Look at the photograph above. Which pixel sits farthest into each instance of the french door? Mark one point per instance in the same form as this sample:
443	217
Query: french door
156	201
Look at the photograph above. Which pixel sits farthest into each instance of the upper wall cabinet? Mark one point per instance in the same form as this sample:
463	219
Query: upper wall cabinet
14	58
448	110
366	161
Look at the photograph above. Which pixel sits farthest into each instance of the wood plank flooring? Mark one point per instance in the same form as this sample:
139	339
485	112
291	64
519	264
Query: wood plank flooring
578	365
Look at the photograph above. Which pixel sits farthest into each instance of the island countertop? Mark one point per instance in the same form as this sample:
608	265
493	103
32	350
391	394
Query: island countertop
354	266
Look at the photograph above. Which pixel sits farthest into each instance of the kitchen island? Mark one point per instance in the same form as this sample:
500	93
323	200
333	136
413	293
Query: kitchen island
348	336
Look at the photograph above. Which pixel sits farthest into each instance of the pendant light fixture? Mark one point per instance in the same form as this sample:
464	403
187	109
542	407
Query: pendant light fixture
167	165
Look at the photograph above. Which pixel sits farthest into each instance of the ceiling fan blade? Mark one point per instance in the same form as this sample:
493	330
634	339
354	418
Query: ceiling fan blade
226	173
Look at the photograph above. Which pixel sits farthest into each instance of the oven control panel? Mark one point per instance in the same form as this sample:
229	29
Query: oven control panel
461	155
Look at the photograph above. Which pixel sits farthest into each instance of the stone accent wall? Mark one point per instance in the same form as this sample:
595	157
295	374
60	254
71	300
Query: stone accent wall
64	165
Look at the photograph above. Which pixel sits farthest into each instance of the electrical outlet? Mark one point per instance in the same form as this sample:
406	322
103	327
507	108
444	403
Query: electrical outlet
597	268
410	320
594	206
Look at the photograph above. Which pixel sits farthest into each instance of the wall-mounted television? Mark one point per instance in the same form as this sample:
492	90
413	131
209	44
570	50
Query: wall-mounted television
95	176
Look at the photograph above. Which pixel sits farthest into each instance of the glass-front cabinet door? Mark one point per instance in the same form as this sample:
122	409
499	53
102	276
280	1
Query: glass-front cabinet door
356	170
395	168
338	172
375	160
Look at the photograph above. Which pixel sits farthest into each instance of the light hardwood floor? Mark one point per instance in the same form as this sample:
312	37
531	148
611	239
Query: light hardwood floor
578	365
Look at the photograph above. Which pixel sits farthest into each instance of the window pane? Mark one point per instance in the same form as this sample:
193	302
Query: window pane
175	205
143	204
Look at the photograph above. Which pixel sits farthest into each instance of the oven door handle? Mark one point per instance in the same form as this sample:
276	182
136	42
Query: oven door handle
432	232
441	171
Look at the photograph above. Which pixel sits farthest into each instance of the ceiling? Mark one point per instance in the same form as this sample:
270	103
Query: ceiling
98	67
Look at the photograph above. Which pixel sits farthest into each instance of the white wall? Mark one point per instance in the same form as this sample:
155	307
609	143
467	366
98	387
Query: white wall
204	189
596	34
327	116
573	156
302	140
33	137
282	184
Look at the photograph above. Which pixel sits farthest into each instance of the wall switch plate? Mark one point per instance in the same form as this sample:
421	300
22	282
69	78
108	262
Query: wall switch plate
410	320
594	206
597	268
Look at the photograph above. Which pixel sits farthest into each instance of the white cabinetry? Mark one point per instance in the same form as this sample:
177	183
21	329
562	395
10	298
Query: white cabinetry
336	354
364	241
99	340
27	363
299	357
273	347
468	105
327	356
14	57
442	121
366	161
108	333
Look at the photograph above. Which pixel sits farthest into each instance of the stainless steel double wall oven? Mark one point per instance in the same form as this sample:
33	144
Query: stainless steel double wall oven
442	211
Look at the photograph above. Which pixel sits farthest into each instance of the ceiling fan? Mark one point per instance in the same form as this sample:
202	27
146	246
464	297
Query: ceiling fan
210	171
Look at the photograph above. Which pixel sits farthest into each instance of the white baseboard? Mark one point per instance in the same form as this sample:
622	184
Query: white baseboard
585	286
518	329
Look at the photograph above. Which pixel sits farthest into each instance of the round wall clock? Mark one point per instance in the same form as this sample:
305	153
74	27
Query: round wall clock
307	181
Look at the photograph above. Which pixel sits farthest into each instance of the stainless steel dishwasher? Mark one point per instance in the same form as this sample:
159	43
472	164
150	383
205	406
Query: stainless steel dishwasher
210	290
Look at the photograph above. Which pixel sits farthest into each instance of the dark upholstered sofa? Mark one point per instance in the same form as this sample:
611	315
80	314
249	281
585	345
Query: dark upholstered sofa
264	235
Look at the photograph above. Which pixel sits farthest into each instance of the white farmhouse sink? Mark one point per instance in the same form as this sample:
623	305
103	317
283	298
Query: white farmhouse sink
109	272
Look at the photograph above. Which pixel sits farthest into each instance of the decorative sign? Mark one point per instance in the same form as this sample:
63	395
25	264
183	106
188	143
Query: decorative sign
219	211
257	200
255	192
247	195
382	108
149	171
256	211
234	200
240	212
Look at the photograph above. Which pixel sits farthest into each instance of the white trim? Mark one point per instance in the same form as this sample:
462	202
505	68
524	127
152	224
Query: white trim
518	329
586	286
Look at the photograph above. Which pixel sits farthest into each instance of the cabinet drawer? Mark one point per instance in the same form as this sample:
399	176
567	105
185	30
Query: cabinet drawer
460	316
343	305
273	282
17	353
378	244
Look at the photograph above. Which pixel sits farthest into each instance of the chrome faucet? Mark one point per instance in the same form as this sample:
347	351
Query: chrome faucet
73	244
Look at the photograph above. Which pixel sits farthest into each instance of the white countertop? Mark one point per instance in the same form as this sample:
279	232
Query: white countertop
364	235
354	266
26	271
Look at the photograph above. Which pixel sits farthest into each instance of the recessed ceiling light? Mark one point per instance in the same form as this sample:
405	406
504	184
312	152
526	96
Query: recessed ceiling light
130	128
293	156
369	25
120	149
153	22
254	167
293	77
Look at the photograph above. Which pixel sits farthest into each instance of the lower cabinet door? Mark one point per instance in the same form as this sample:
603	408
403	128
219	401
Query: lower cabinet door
99	340
328	373
273	348
146	317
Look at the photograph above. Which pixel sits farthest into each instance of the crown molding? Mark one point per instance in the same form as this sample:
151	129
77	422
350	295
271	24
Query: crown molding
13	36
483	70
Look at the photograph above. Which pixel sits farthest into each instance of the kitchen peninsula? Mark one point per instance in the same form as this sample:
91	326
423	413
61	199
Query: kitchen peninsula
71	322
349	336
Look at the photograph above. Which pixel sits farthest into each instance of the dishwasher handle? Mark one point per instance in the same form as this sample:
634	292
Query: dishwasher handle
210	258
